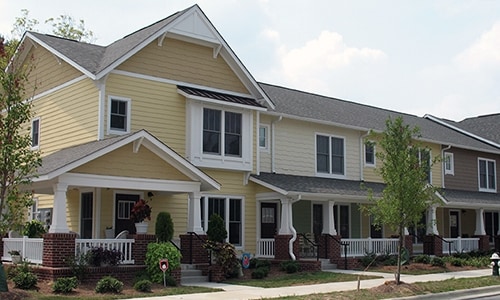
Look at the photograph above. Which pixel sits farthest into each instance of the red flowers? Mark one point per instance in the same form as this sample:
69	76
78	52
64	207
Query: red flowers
140	212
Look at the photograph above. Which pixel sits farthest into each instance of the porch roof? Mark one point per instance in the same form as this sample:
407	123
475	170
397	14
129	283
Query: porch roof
469	199
327	188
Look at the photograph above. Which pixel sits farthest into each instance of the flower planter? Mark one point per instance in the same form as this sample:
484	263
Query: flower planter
110	233
141	228
16	259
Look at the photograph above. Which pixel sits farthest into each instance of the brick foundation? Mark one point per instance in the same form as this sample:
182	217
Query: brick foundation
192	249
484	242
433	245
408	244
281	243
57	249
140	247
332	249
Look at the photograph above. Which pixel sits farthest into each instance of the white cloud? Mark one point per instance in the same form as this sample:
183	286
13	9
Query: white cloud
484	53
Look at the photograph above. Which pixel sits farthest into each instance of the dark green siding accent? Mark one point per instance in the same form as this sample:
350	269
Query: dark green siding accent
302	216
355	221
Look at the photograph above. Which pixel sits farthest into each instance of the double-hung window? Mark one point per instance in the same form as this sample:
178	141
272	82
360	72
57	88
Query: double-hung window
119	115
263	137
487	174
449	167
330	155
370	154
35	133
230	210
222	132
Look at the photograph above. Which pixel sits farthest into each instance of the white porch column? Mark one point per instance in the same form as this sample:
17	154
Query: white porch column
329	225
480	222
431	221
286	217
498	232
194	214
59	224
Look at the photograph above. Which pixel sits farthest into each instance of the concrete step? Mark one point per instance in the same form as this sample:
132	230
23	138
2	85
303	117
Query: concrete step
327	265
191	275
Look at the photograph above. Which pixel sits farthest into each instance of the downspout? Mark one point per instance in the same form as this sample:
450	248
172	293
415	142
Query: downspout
273	143
290	226
444	170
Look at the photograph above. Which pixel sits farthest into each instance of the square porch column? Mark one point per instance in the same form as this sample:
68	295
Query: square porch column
59	223
57	249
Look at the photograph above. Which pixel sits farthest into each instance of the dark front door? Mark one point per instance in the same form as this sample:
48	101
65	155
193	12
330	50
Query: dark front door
124	204
268	221
86	215
454	224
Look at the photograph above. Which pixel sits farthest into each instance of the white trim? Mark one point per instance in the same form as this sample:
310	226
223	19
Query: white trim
269	186
128	116
330	174
487	189
450	171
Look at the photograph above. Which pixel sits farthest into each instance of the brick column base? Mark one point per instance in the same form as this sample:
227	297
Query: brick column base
140	247
57	249
333	250
484	242
433	245
408	244
192	249
281	247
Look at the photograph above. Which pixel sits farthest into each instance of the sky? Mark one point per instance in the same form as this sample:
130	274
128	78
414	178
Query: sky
438	57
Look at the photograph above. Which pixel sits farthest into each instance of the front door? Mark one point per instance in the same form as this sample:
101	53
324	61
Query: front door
268	217
86	215
123	206
454	223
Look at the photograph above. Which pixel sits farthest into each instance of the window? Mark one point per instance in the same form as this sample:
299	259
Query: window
263	137
487	174
34	214
35	133
213	127
330	155
230	210
370	154
449	167
124	208
119	115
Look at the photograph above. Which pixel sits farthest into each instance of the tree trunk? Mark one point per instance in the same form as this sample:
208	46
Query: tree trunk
400	249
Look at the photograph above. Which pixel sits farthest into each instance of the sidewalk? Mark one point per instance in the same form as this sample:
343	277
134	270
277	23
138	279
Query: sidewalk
240	292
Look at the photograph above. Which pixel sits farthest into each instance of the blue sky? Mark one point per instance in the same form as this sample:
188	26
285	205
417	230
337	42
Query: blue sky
437	57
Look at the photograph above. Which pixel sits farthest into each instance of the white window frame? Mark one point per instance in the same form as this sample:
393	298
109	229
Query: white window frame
227	199
266	137
449	163
329	174
487	189
37	146
34	213
128	101
367	164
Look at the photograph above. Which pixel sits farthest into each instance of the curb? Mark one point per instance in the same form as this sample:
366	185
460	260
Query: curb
475	293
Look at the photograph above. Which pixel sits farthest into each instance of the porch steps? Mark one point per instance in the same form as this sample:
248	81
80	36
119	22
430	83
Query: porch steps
327	265
190	275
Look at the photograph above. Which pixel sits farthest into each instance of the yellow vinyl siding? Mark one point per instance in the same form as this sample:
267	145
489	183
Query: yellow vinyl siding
66	123
156	107
49	71
185	62
124	162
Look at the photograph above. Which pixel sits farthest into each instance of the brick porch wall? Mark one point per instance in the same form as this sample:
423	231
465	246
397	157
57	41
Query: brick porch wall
198	254
57	249
433	245
484	242
140	246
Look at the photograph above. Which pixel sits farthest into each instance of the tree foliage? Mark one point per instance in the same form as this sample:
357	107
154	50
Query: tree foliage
405	166
67	27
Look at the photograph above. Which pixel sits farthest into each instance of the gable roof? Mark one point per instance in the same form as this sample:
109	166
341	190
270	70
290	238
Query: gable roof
190	25
66	159
321	109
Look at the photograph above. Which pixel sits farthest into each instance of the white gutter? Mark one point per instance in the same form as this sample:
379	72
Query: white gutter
444	164
273	143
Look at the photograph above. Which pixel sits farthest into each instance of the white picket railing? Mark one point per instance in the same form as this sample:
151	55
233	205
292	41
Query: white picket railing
460	245
31	249
360	247
265	248
122	245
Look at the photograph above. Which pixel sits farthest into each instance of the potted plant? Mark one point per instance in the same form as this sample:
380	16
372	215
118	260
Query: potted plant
109	232
139	213
16	256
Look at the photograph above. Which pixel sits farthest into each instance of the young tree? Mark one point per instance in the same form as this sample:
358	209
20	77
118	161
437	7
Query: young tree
407	193
67	27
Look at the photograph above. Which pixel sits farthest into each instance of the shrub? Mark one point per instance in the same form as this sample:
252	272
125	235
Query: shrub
78	265
260	273
34	229
457	262
438	262
392	261
109	284
99	256
65	285
157	251
253	263
263	263
143	285
216	229
368	259
422	259
290	266
164	228
225	256
24	278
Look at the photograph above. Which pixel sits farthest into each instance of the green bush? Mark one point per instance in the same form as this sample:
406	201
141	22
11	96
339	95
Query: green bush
225	256
438	262
253	263
457	262
290	266
24	278
65	285
216	229
157	251
78	265
263	263
164	228
109	284
143	285
260	273
422	259
391	261
368	259
34	229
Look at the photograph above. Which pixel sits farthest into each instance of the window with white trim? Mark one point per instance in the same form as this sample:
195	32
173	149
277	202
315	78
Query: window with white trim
35	133
487	174
330	158
449	164
230	209
370	154
221	132
119	115
124	209
263	137
34	214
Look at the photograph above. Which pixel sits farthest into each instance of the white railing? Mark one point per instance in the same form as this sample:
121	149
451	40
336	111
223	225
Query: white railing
122	245
460	245
360	247
31	249
265	248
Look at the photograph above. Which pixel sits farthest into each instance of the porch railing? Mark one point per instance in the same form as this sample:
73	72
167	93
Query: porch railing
31	249
360	247
123	245
461	244
265	248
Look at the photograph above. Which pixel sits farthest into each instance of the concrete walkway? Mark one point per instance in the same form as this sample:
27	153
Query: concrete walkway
240	292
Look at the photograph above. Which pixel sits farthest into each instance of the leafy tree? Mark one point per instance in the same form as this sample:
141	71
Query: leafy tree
23	24
407	193
67	27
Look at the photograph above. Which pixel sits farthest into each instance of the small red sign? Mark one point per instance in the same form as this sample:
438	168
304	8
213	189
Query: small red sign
164	264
